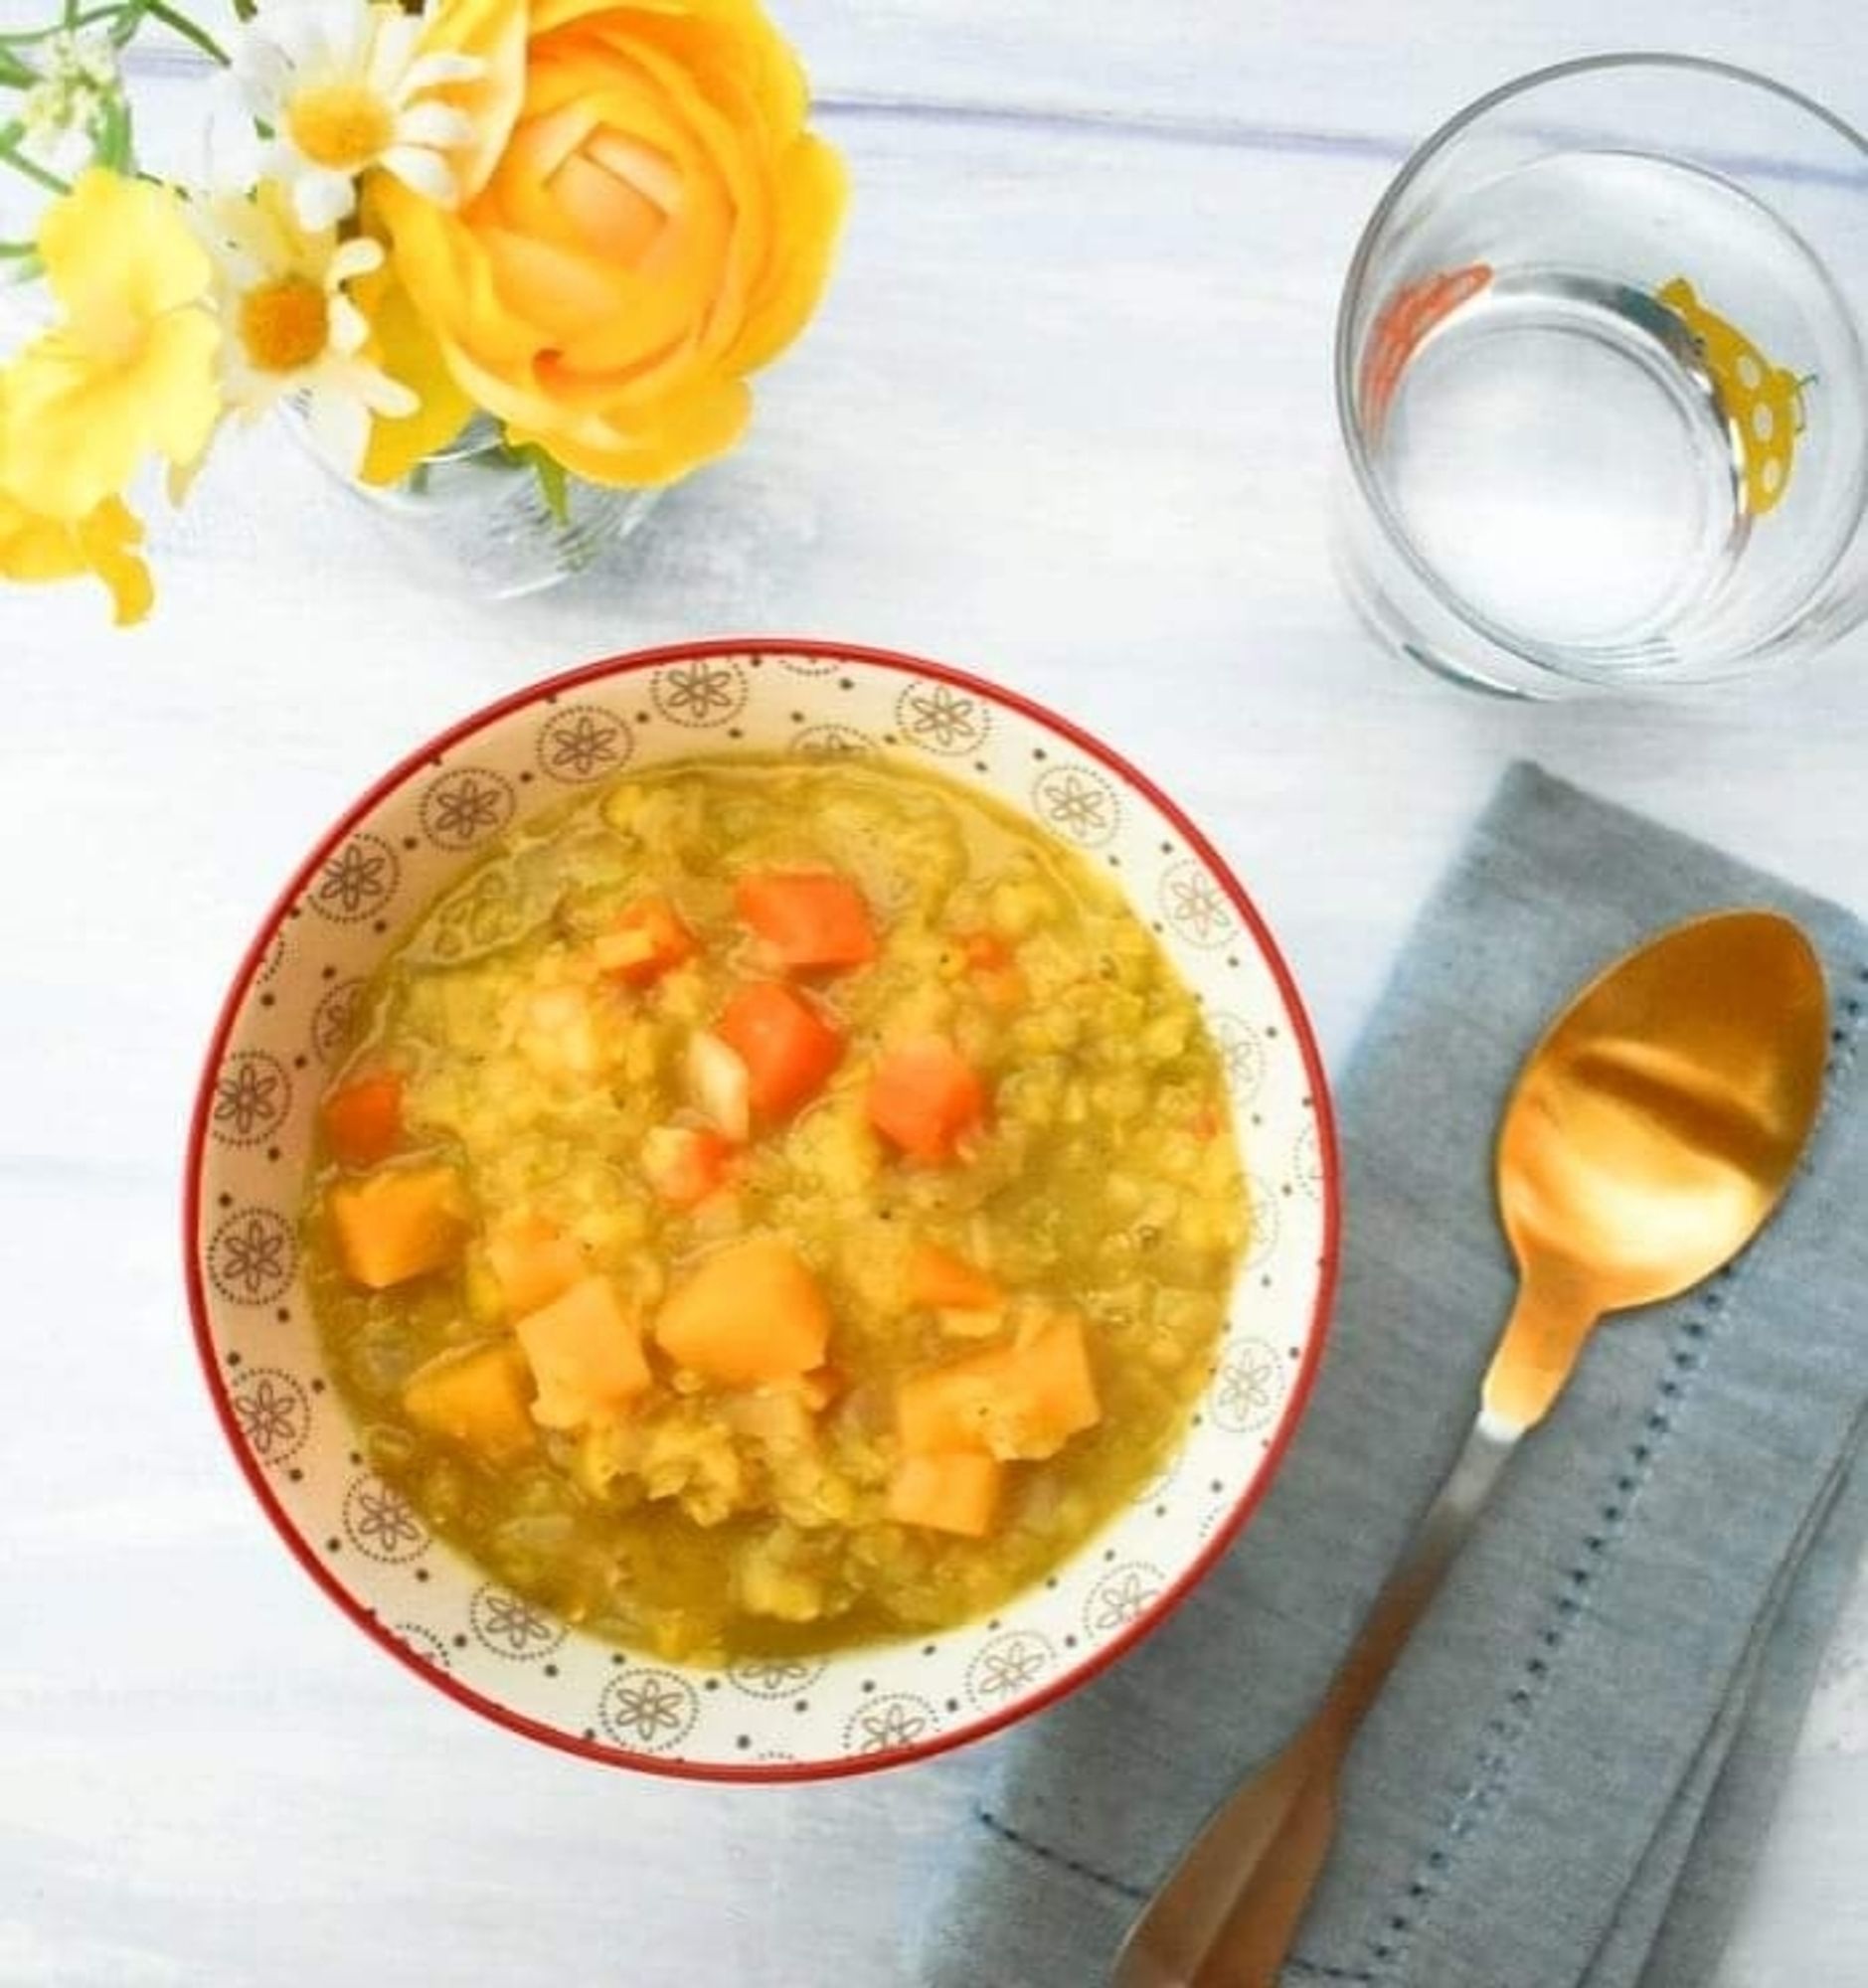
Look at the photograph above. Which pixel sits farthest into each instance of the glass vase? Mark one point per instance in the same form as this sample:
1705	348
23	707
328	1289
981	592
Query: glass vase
474	516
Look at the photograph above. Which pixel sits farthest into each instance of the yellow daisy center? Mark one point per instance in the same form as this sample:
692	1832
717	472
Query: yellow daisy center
343	125
285	324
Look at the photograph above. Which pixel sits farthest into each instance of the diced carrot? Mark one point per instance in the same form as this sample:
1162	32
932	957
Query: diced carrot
684	1163
719	1083
647	938
787	1046
954	1493
926	1098
481	1399
810	919
362	1121
585	1353
984	948
749	1312
1023	1401
533	1262
1204	1123
939	1279
394	1225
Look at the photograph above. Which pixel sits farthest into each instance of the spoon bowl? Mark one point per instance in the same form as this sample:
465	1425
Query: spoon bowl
1661	1115
1653	1129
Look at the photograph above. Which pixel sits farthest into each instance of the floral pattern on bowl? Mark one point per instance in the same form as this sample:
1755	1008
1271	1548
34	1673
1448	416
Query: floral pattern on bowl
285	1019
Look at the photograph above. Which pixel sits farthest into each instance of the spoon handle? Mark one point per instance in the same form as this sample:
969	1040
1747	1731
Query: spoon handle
1412	1585
1234	1872
1255	1936
1213	1885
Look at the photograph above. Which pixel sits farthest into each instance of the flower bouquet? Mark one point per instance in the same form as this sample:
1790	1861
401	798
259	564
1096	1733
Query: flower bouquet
571	227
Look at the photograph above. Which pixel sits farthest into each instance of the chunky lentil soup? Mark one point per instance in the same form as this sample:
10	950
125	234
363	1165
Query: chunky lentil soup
771	1208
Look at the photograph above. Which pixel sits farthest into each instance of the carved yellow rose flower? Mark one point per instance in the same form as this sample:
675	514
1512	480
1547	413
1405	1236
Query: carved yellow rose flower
643	219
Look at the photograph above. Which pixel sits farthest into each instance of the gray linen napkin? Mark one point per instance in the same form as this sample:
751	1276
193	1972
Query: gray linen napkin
1565	1779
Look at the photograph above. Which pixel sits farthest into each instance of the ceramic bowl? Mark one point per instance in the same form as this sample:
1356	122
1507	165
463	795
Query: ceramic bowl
285	1020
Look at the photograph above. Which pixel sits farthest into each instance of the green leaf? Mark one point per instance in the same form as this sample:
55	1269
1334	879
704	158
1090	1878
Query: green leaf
115	140
20	164
554	485
178	23
17	38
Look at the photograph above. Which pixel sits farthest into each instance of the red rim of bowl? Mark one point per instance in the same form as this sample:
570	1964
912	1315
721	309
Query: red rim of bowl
628	664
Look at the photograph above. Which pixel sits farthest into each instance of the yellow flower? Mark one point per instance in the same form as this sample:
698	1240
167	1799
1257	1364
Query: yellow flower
411	357
130	369
34	547
656	223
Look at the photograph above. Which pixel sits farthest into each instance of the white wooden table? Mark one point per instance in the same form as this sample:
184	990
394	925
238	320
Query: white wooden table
1066	421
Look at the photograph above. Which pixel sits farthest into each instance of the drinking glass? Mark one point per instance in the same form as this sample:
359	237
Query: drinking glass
1602	387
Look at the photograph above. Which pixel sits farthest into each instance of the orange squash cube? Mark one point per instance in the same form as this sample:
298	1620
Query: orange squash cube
943	1282
480	1399
749	1312
533	1262
947	1407
1019	1402
390	1227
585	1353
956	1492
1057	1388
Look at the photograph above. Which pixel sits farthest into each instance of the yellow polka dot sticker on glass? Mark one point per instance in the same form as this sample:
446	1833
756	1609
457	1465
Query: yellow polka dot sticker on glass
1764	403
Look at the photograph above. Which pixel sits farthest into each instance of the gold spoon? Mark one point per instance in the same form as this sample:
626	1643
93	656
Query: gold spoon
1649	1135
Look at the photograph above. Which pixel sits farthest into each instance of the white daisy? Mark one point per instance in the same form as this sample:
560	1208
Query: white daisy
289	327
342	87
